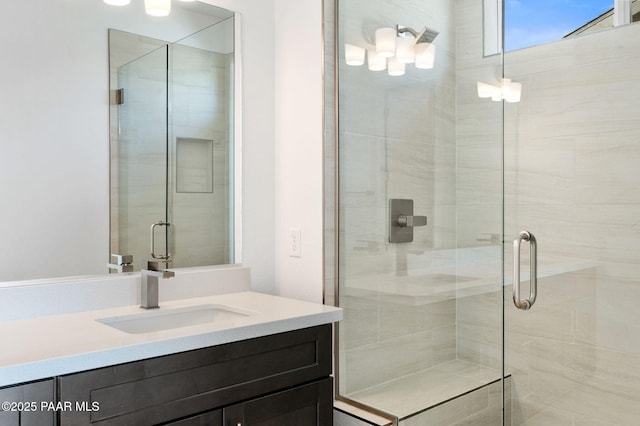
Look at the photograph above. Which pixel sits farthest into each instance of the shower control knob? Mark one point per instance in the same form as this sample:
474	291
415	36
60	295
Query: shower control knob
411	221
401	220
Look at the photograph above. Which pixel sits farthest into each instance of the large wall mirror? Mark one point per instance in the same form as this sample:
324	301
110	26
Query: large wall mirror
113	120
171	131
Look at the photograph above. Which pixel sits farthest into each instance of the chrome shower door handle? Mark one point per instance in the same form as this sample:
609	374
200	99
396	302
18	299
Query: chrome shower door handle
153	241
525	304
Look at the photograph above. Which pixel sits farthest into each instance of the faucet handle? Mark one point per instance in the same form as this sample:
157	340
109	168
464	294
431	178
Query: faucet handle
123	263
122	259
155	264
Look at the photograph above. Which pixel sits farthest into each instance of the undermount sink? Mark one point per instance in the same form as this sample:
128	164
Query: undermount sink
166	319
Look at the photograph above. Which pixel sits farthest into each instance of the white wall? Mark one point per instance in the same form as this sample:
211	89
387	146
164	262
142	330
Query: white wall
299	153
258	152
54	182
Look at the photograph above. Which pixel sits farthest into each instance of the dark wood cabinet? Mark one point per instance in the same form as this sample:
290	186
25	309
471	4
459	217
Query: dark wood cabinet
282	379
28	404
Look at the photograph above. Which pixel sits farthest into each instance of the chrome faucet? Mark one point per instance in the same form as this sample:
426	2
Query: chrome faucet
151	274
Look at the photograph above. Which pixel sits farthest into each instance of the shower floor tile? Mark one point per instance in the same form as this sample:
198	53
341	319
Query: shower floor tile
416	392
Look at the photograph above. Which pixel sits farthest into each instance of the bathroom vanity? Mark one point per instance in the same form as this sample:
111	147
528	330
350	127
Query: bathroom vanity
269	367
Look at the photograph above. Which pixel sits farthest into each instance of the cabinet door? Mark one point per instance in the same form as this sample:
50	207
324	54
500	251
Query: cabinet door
29	398
306	405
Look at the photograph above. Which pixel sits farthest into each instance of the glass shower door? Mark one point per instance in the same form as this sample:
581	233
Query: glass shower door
142	157
420	339
572	180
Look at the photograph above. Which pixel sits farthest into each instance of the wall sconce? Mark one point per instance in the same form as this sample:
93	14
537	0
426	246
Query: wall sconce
507	90
396	47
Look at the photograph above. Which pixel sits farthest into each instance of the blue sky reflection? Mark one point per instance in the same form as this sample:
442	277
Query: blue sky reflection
533	22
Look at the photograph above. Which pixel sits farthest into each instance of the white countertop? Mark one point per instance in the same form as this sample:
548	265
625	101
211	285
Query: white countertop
44	347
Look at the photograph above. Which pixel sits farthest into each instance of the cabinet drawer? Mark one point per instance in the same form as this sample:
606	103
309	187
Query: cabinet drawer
307	405
28	394
212	418
176	386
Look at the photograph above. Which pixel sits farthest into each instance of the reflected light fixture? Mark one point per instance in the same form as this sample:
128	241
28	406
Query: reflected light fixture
354	55
117	2
394	48
506	90
157	7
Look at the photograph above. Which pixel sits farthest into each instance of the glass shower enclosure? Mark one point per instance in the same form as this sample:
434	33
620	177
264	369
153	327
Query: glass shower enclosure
525	165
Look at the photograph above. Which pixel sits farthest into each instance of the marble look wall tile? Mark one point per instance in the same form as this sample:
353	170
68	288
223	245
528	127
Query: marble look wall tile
398	319
361	322
377	363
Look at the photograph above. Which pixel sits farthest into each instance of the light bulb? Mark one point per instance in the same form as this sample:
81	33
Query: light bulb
485	90
375	61
425	55
513	92
404	50
386	42
117	2
157	7
395	68
354	55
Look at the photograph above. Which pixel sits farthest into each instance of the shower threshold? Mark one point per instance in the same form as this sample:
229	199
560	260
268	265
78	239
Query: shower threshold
408	395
